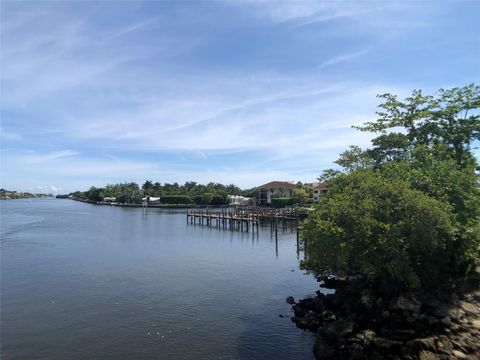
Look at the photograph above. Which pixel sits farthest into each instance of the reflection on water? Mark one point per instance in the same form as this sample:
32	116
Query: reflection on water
83	281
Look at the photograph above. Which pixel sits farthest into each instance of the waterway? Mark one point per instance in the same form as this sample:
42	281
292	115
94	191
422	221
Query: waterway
80	281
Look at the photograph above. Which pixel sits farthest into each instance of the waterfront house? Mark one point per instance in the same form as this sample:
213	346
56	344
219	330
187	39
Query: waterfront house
236	200
109	199
151	200
279	189
317	189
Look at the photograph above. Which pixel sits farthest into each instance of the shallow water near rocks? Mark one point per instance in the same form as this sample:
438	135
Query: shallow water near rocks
85	281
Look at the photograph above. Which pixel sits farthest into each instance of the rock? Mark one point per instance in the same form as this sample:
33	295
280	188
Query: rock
455	314
322	350
441	311
311	322
454	299
446	321
386	345
308	303
443	344
328	316
366	336
299	311
459	355
399	334
380	303
319	304
356	352
432	302
338	329
290	300
475	324
417	316
427	344
470	342
427	355
404	304
377	356
367	300
458	345
469	307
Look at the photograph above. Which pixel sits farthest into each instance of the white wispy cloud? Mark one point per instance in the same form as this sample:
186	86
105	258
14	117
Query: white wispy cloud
341	58
33	157
288	10
128	29
8	135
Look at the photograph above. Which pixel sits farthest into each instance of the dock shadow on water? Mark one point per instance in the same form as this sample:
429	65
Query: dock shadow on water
84	281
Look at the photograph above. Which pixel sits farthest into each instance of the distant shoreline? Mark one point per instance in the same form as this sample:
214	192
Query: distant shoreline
28	198
159	206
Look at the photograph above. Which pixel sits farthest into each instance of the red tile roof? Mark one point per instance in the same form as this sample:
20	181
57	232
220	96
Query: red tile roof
278	184
318	185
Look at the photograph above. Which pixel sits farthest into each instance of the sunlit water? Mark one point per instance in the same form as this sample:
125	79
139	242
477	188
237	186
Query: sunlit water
98	282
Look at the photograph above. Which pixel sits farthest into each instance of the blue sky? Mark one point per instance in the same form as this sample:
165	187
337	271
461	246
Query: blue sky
244	92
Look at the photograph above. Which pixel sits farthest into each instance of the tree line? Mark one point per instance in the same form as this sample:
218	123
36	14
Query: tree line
187	194
11	194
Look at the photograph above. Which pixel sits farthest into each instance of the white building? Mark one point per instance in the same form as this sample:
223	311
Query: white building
151	200
236	200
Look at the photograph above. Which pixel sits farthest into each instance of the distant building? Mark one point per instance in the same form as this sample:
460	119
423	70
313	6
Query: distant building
236	200
275	189
151	200
109	199
317	189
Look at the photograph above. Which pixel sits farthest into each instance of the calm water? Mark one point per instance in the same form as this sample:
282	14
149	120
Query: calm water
84	281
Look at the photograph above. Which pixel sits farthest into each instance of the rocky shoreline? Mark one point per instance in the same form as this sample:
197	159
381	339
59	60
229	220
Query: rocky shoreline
354	324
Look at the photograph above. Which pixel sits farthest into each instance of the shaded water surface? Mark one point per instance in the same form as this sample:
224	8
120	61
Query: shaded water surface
98	282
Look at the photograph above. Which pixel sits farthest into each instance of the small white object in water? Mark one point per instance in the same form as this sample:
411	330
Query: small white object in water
149	333
158	333
170	331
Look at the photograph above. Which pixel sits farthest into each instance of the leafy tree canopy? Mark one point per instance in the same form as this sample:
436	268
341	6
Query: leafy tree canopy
406	211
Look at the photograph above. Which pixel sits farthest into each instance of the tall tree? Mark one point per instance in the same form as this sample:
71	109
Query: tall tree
449	117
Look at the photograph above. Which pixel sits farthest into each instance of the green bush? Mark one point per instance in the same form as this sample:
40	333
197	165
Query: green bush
381	230
282	202
203	199
176	199
219	199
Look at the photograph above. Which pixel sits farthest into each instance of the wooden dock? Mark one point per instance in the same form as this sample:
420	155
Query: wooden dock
226	220
247	219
